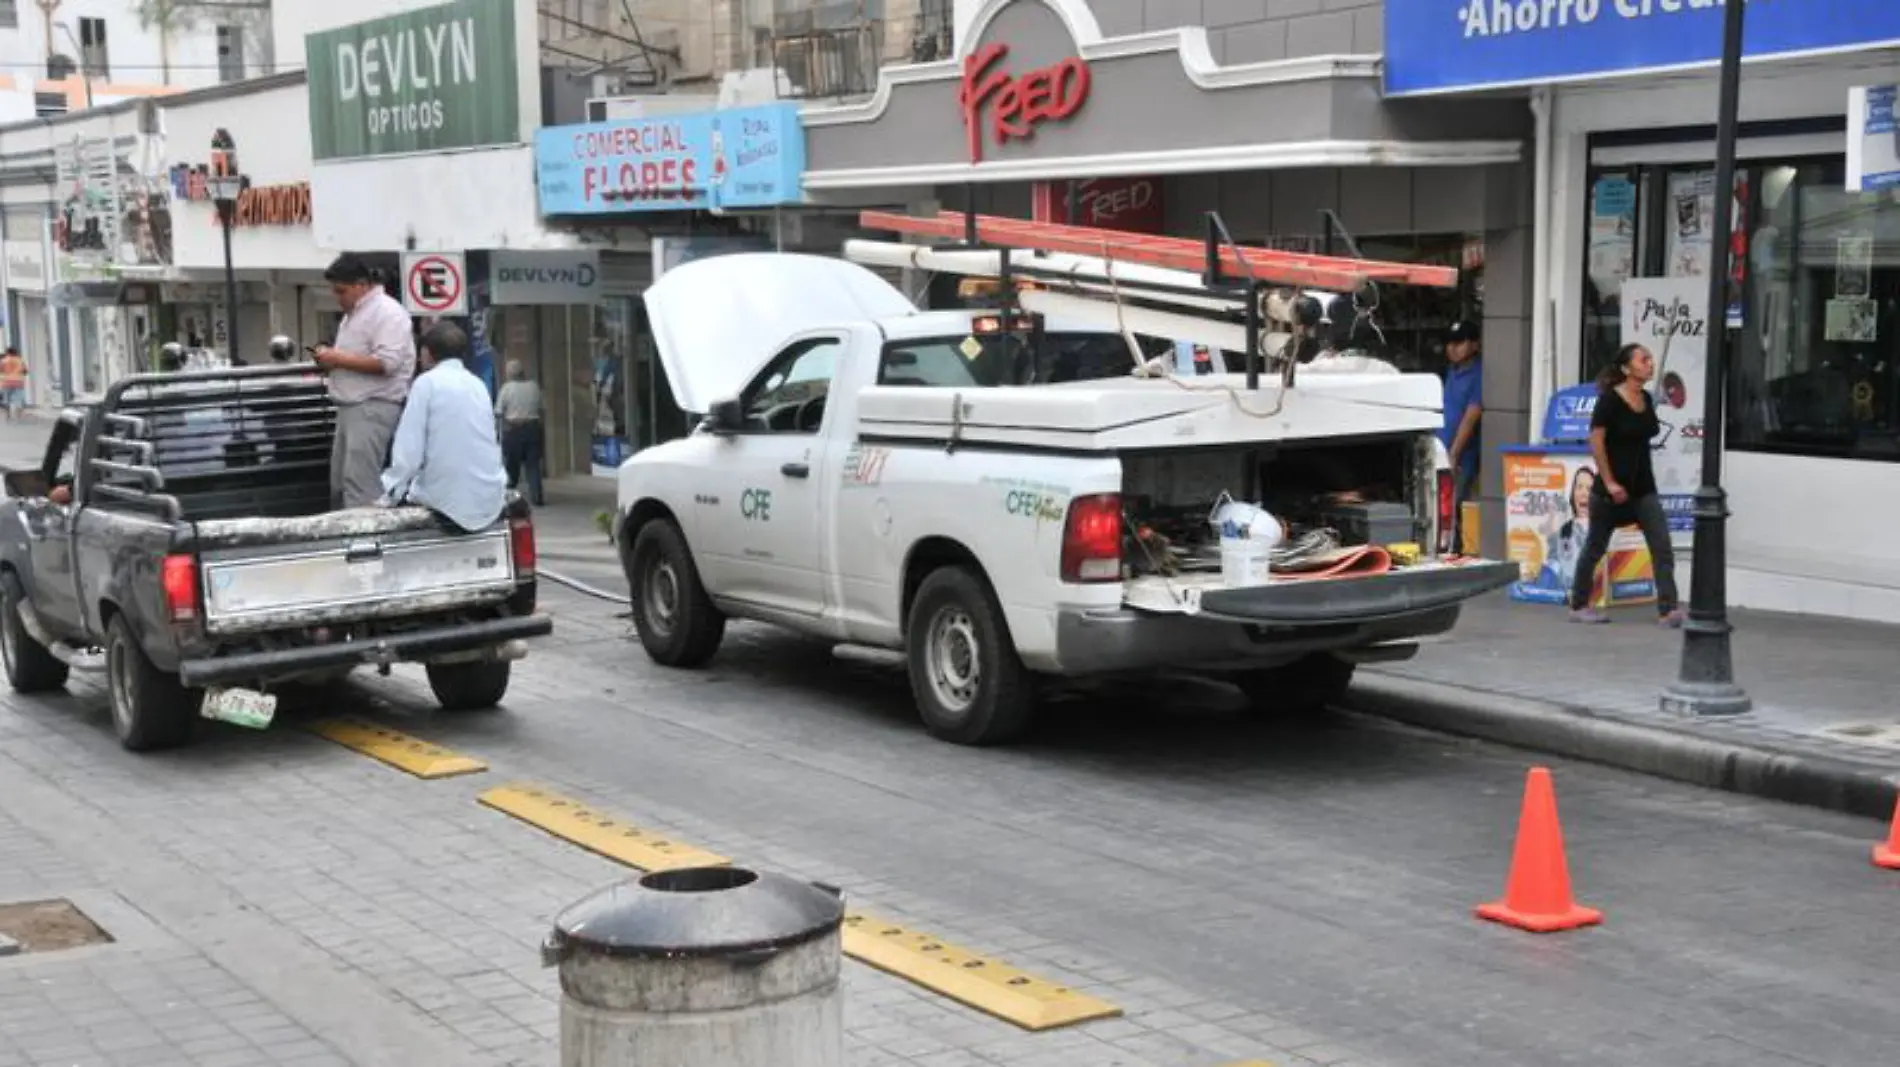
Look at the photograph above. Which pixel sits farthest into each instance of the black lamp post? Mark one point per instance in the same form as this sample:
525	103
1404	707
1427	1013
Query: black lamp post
226	186
1705	684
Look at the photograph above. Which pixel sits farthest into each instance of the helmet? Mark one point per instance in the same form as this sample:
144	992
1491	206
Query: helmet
282	349
171	357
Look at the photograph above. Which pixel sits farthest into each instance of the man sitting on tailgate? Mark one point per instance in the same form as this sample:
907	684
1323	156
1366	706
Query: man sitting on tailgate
446	456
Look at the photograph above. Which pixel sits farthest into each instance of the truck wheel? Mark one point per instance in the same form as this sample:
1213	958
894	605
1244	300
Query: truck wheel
676	620
970	686
151	710
30	667
1304	687
469	686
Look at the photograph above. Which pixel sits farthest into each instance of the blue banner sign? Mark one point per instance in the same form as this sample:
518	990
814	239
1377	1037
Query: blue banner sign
1444	45
736	158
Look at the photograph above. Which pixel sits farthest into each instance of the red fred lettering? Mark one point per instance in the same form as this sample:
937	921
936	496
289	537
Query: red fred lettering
1017	105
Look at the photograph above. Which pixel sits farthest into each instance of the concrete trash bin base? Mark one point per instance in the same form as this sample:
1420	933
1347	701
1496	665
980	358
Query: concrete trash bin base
705	967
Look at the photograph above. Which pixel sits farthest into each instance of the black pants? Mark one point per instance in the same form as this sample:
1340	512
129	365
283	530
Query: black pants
521	454
1605	516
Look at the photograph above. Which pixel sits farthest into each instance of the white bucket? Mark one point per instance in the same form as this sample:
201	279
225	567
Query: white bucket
1245	561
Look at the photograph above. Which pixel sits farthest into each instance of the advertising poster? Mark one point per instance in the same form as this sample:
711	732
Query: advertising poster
1670	317
1691	232
1612	236
1546	521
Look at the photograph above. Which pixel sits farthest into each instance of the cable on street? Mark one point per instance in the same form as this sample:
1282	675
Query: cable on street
582	587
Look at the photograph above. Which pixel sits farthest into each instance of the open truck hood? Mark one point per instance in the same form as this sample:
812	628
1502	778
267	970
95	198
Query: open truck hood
717	321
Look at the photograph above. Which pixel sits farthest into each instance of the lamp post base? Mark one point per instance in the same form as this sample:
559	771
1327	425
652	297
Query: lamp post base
1705	700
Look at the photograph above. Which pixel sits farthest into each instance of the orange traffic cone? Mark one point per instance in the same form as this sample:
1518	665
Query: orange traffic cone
1888	855
1537	896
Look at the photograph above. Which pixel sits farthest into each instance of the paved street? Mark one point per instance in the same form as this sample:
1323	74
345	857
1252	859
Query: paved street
1241	890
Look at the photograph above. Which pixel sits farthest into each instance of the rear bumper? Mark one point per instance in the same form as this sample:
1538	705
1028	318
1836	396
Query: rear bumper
1365	620
395	648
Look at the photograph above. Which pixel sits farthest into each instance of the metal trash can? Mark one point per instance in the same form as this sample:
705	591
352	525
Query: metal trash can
701	967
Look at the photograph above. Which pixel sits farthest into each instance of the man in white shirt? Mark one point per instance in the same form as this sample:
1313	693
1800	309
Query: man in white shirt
446	456
369	368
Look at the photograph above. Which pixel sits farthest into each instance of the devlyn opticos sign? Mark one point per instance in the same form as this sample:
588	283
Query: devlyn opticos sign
423	81
1447	45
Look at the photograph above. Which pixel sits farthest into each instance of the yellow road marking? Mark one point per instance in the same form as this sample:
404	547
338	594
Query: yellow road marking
987	985
613	838
399	750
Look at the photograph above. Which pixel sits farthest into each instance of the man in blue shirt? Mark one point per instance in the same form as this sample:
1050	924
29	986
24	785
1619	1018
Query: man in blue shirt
1462	432
445	455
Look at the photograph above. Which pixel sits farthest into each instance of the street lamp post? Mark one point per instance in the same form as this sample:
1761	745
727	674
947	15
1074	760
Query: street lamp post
226	186
85	68
1705	683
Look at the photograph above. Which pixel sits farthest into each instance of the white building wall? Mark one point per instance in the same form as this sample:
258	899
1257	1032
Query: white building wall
1807	535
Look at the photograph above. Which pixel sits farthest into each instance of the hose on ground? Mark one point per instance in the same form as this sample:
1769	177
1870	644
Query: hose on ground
581	587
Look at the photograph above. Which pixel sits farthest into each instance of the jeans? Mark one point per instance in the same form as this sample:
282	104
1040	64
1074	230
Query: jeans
1605	516
521	454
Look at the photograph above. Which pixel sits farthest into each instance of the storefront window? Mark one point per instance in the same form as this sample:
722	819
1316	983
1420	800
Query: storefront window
1814	308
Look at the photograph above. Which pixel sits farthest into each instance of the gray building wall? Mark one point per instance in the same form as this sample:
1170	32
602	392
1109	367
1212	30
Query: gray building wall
1249	31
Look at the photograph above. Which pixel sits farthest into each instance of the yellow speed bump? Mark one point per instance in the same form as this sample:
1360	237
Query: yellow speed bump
987	985
399	750
613	838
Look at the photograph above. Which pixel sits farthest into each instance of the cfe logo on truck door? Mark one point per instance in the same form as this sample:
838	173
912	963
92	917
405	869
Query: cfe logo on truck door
755	505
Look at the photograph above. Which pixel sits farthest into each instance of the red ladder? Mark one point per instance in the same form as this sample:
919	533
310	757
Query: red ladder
1331	273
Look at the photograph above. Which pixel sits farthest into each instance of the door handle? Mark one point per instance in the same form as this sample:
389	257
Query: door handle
796	470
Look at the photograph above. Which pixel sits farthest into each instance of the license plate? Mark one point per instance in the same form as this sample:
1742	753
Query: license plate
240	707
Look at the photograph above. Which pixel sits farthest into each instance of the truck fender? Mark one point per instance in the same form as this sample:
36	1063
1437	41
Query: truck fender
927	555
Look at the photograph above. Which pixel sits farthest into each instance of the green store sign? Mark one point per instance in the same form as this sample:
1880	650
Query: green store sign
422	81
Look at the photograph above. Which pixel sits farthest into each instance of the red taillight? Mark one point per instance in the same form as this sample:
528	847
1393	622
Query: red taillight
178	576
521	542
1092	539
1446	519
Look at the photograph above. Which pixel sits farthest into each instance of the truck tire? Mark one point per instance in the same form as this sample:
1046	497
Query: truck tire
1305	687
151	709
969	684
676	620
469	686
30	667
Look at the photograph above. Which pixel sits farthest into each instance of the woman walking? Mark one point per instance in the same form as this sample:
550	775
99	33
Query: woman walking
1625	492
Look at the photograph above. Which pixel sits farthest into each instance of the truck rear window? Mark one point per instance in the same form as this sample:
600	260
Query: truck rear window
970	360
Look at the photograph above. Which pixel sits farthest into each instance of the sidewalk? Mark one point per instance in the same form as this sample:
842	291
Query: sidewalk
1825	729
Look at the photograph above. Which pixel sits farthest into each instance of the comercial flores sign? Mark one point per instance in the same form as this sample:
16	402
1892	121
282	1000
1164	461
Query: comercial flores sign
436	78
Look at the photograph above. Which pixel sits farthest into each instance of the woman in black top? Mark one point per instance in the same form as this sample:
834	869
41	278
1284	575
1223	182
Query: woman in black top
1621	430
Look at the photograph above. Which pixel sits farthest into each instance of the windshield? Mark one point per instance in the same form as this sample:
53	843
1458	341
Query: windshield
989	360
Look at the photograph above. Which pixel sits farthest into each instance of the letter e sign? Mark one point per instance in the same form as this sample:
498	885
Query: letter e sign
434	283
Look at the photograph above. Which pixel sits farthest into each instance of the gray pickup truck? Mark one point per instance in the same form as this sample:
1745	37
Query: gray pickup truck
178	537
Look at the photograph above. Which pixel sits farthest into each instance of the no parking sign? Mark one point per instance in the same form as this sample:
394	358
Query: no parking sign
434	283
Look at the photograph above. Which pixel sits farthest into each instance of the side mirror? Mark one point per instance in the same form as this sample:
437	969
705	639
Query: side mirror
27	484
726	417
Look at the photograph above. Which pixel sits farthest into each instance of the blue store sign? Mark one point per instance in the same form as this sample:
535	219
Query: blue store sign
1439	45
746	157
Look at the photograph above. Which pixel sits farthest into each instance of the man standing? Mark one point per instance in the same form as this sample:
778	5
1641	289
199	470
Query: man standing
446	457
519	408
1463	432
13	382
369	368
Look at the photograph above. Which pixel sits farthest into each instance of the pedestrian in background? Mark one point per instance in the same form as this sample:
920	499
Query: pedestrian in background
369	367
1621	430
518	406
13	382
1463	429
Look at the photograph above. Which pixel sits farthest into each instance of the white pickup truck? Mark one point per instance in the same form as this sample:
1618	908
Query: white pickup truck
863	475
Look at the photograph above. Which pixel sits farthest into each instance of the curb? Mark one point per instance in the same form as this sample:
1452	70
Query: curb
1679	753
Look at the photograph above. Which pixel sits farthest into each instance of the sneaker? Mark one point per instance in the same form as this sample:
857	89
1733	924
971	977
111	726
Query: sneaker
1589	616
1672	619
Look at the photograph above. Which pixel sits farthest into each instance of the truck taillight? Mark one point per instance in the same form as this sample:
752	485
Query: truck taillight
178	577
521	542
1447	508
1092	539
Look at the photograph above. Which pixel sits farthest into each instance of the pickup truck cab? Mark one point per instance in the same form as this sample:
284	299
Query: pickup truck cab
864	475
178	537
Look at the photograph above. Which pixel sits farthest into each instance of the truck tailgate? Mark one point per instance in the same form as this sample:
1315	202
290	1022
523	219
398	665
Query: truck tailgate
1288	601
352	578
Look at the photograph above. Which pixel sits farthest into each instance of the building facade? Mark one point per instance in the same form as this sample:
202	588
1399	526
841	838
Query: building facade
1625	148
